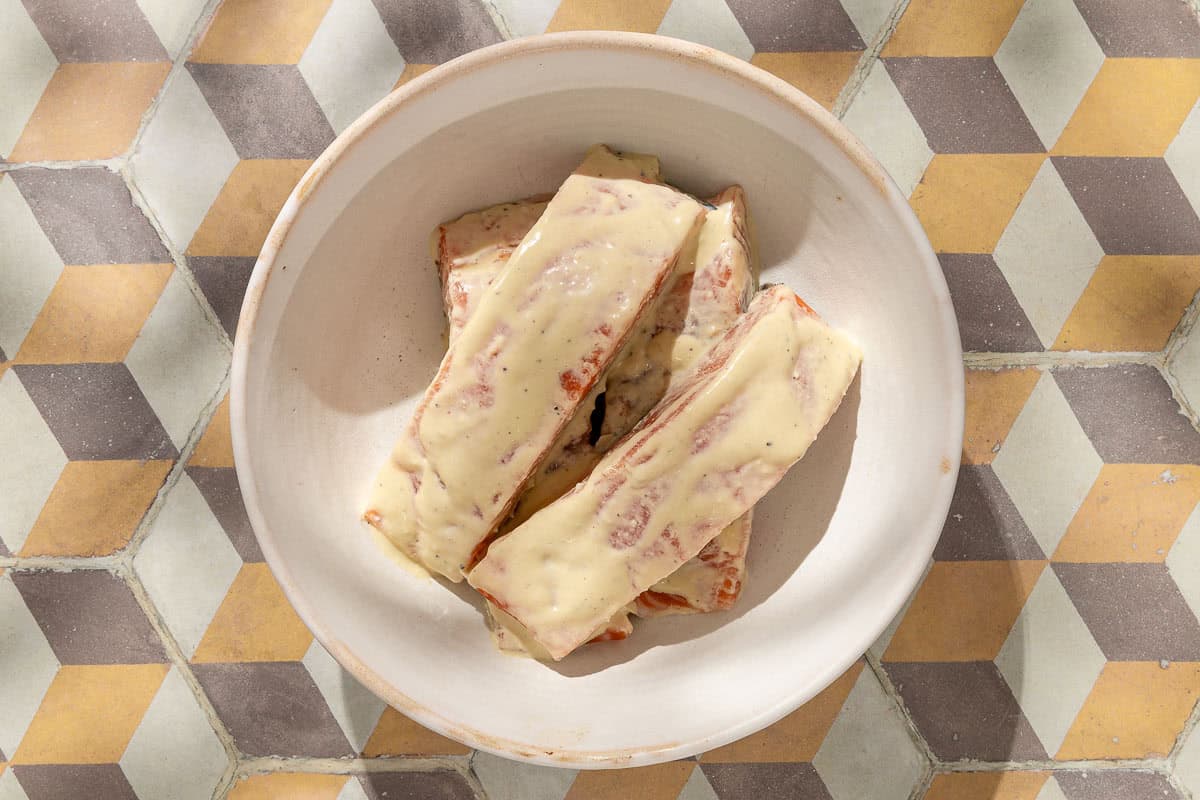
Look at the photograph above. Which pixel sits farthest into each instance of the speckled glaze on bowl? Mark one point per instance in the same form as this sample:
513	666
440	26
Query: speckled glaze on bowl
342	329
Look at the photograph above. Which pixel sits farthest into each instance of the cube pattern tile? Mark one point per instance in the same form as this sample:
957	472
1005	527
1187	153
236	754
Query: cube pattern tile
1051	149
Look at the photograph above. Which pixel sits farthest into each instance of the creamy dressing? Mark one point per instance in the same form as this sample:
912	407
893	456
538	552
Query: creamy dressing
710	288
396	555
709	293
471	251
725	434
542	332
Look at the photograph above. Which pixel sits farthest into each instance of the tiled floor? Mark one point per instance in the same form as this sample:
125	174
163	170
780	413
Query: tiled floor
1050	147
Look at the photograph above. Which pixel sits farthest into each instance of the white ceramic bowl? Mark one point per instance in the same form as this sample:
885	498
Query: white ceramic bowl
342	329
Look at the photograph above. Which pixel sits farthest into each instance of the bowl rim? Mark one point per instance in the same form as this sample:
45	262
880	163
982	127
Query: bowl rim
924	536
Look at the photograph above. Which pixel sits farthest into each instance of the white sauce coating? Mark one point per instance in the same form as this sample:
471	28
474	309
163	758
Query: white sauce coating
725	434
710	288
541	334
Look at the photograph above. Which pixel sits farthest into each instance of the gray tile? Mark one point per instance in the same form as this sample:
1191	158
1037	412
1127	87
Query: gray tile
1134	611
74	781
1129	414
273	709
96	30
1133	205
754	781
984	523
89	617
963	105
223	280
965	710
430	33
781	26
96	411
444	785
89	216
1115	785
989	317
1148	28
221	491
267	111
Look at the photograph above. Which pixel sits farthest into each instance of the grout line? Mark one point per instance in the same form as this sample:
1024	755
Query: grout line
177	65
1187	323
128	175
62	563
175	654
1178	785
261	765
867	61
927	755
1157	765
1053	358
177	256
1185	405
1189	730
476	784
112	164
921	789
130	550
501	23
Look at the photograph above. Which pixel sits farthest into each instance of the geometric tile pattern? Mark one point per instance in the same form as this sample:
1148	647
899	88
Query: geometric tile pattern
1051	149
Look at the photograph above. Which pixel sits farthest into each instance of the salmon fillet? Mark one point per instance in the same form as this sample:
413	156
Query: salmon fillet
524	361
727	431
709	290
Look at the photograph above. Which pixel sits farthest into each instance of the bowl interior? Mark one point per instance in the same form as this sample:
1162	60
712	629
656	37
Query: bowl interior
343	329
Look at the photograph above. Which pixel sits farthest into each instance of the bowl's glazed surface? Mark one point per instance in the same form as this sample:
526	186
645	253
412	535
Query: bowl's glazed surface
342	329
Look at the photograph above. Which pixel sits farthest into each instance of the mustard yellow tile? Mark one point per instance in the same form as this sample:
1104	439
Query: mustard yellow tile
987	786
89	111
964	611
412	71
819	75
289	786
994	399
965	201
1136	710
397	735
659	782
1134	512
260	31
952	28
1134	107
643	16
1131	303
254	623
95	507
94	313
238	221
799	735
89	714
215	448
